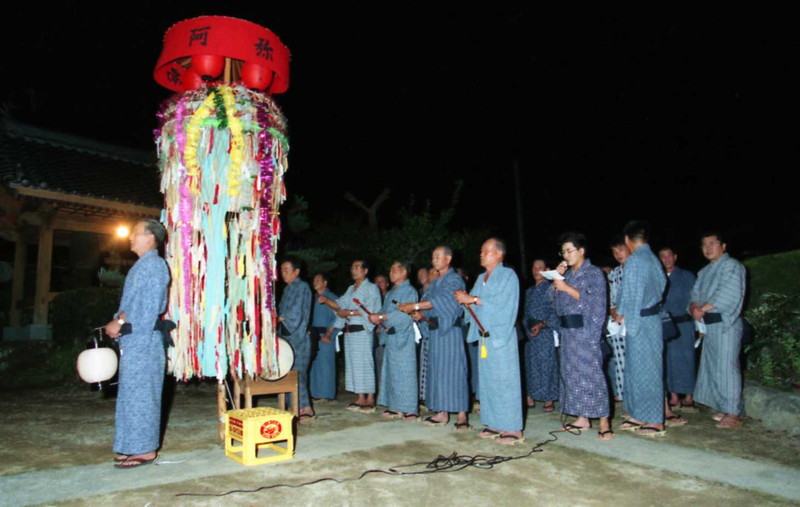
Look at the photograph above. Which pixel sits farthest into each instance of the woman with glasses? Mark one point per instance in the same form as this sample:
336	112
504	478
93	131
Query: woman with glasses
581	307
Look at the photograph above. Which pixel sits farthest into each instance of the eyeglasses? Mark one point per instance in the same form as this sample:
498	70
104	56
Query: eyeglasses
567	251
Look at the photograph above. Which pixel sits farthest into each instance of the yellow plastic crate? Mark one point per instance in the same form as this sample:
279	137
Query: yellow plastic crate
258	430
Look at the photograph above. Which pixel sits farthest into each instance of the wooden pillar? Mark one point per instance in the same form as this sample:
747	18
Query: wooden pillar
18	282
44	266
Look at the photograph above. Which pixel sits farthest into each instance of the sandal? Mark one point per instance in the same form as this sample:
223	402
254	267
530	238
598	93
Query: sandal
602	434
731	423
687	407
628	425
306	418
549	407
571	428
461	426
675	420
354	407
718	417
410	417
430	421
650	431
391	414
488	433
509	440
367	409
134	462
121	457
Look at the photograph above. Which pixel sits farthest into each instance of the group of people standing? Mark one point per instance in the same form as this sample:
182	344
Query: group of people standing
649	313
588	339
649	322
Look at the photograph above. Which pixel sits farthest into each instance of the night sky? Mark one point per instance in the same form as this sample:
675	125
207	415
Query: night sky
684	117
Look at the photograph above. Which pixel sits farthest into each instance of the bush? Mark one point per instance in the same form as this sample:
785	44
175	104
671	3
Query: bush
776	274
774	357
76	312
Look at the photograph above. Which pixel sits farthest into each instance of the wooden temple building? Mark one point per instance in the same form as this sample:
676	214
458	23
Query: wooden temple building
63	192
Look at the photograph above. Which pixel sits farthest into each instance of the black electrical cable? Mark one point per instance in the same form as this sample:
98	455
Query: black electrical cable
452	463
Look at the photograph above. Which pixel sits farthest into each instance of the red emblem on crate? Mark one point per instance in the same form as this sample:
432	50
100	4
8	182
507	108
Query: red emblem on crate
271	429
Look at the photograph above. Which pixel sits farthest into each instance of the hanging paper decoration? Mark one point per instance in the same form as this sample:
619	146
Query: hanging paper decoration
222	149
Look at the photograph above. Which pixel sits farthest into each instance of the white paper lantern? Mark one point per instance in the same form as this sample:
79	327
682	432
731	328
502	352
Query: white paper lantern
97	365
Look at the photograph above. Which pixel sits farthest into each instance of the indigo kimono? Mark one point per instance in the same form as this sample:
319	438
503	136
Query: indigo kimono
142	358
680	353
583	385
541	362
641	293
322	379
719	379
447	387
359	362
398	389
500	385
295	308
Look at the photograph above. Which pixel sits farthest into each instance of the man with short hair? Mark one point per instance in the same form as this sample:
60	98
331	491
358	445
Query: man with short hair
680	353
354	321
639	307
142	357
495	299
398	381
716	300
616	365
322	378
294	312
446	374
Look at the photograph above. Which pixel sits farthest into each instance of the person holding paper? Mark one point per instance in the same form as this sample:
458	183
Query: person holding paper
581	306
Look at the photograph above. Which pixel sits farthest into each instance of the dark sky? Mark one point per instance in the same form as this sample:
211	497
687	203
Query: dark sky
685	117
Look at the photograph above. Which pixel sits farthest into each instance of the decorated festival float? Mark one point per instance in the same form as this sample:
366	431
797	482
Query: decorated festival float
222	151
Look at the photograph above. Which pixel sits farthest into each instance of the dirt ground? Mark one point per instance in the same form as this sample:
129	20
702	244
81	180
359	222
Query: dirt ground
70	426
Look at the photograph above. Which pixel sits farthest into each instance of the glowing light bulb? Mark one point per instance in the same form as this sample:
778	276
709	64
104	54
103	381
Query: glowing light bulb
123	231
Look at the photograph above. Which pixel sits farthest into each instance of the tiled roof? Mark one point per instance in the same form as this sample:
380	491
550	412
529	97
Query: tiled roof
42	159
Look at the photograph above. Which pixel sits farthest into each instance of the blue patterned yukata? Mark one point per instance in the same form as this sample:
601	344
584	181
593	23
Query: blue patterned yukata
500	386
680	353
447	388
142	358
641	292
398	389
583	386
295	308
719	380
322	379
616	364
541	362
359	363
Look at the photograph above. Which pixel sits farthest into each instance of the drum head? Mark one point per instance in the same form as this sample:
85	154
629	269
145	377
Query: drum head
285	361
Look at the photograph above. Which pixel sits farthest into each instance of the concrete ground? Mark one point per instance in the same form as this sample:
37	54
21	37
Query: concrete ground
56	451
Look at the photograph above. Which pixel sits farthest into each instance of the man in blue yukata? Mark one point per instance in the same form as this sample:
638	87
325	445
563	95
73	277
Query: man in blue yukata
398	383
716	300
680	352
294	313
446	382
359	360
495	301
141	346
639	308
322	377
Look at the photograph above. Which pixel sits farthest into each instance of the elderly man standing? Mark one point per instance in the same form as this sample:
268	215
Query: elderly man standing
322	378
680	357
398	384
353	320
294	312
639	307
495	299
142	358
446	388
717	299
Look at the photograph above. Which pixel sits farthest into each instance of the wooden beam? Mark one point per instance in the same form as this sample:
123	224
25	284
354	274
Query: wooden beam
18	282
121	207
71	222
44	266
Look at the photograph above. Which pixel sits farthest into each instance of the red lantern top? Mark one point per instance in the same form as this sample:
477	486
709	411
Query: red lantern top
207	37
